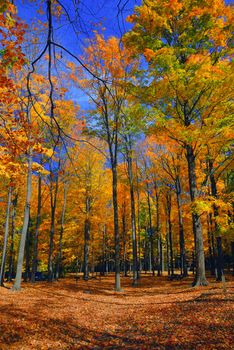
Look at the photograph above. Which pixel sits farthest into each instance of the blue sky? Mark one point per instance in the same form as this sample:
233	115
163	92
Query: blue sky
111	13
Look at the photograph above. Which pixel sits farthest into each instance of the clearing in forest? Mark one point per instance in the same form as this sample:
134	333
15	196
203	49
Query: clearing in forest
158	314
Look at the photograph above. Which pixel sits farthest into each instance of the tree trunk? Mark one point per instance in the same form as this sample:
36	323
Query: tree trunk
145	248
116	227
53	199
159	238
211	252
183	264
232	251
167	249
160	256
3	262
27	252
35	241
60	253
133	216
219	260
216	229
92	257
103	271
12	253
139	230
151	234
212	231
125	270
51	246
170	233
112	140
193	262
86	248
200	276
20	260
213	192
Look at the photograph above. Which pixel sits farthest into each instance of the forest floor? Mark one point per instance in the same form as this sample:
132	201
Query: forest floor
157	314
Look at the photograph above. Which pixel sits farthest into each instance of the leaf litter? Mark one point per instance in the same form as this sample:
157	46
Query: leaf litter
157	314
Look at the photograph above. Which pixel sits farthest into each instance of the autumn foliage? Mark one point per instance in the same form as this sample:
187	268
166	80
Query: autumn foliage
117	158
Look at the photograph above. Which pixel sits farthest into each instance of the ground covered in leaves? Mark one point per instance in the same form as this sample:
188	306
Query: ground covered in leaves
158	314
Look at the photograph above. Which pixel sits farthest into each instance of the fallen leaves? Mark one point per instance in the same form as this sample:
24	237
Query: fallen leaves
158	314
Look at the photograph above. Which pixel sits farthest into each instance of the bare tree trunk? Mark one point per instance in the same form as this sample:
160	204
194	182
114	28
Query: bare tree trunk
107	250
215	231
116	229
133	214
138	228
124	241
220	274
27	252
2	271
35	242
151	237
214	192
20	260
159	238
167	249
86	248
145	249
232	252
51	245
200	276
159	255
53	200
12	253
60	253
112	140
183	264
211	252
170	232
103	250
87	223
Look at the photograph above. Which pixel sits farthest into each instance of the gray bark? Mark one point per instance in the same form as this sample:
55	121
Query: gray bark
53	200
60	253
124	240
87	223
28	252
170	233
200	276
6	233
35	242
151	238
138	228
133	213
159	238
116	229
17	284
12	253
167	249
86	248
210	246
184	271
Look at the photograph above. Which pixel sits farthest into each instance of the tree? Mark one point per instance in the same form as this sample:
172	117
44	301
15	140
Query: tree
187	46
108	95
132	123
168	158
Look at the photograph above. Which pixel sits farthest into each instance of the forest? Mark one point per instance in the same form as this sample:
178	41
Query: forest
116	174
